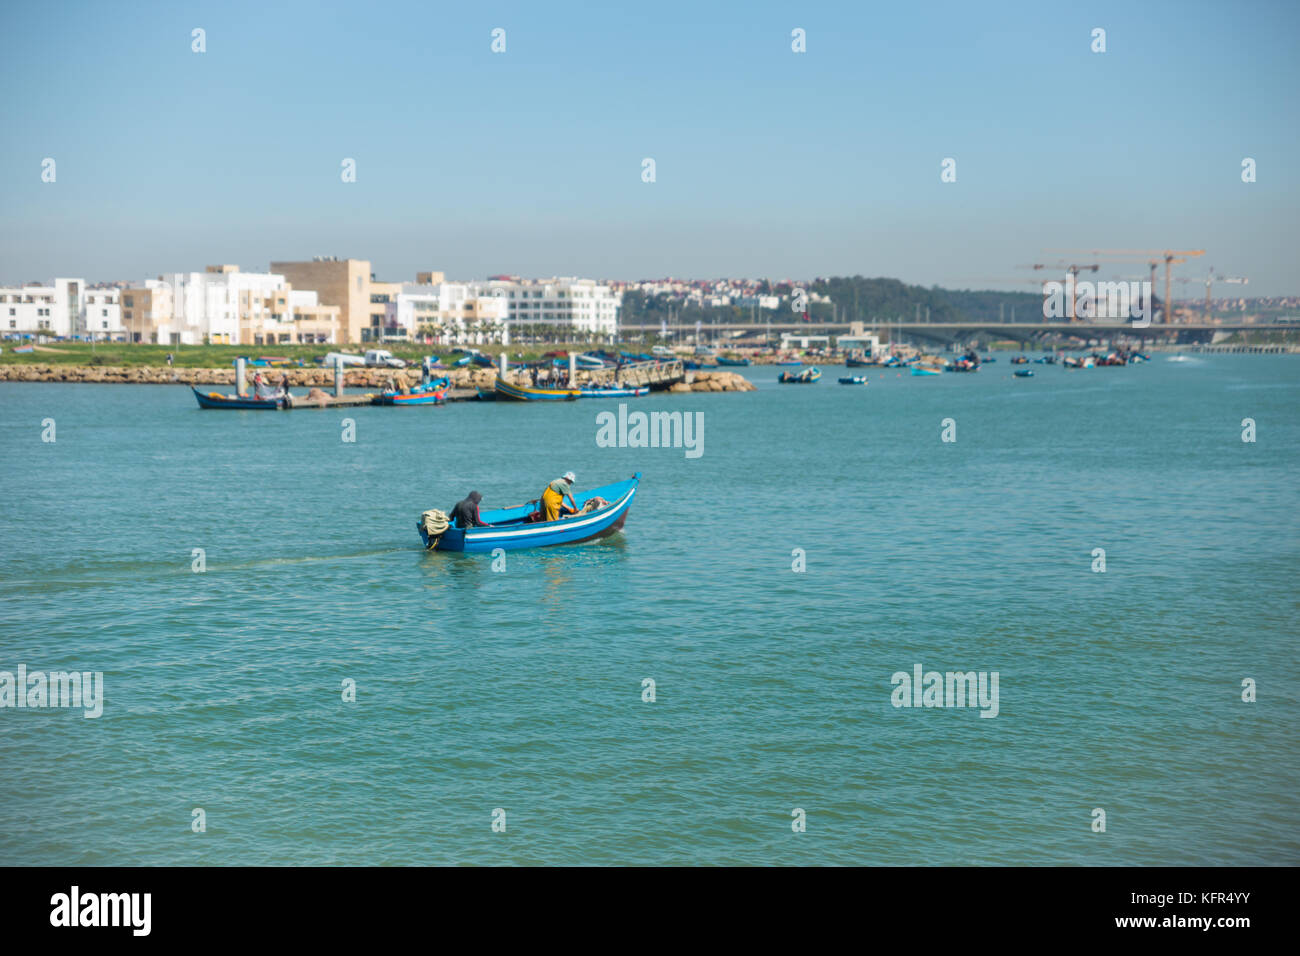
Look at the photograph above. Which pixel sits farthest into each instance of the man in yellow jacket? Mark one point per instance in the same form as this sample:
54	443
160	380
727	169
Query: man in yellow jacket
554	495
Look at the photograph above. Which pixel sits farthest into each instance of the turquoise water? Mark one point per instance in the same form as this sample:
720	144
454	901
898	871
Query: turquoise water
521	689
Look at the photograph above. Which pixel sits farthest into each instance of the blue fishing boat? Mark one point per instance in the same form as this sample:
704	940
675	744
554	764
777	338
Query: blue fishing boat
789	362
615	392
854	380
529	393
1023	373
724	360
854	362
512	529
433	393
806	377
247	402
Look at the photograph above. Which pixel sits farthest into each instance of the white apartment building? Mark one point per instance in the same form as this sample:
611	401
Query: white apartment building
54	310
101	313
582	304
224	306
211	304
451	311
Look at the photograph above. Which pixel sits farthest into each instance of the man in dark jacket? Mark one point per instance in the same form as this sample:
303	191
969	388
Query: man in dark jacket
465	514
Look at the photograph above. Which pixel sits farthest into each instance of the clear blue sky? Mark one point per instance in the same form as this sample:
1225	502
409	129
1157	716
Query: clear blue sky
769	163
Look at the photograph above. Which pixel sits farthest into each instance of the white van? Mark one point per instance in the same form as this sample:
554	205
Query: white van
663	351
333	358
382	358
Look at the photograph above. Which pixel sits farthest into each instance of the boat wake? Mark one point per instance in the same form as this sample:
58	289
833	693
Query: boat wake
306	559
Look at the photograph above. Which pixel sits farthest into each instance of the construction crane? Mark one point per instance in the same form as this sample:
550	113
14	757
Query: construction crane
1209	279
1073	270
1154	257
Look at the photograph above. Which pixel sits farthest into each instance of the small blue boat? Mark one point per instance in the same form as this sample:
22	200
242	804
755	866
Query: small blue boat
1023	373
511	530
433	393
615	392
246	402
853	380
807	377
723	360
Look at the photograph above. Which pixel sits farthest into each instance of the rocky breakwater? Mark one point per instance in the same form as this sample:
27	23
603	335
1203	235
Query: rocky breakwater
375	379
714	382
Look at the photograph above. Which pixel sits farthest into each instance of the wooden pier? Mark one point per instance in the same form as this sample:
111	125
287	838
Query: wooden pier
657	375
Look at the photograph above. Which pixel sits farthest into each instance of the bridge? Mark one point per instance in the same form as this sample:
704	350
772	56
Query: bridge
947	332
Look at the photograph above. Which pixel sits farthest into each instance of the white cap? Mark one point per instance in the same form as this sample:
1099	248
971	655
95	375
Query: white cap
570	477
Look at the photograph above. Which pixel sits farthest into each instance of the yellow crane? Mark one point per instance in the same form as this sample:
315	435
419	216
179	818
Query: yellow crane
1154	257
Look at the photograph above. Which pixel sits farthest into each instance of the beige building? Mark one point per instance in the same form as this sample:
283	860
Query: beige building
147	312
344	283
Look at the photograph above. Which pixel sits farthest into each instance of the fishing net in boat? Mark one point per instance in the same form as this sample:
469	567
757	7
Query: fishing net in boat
434	523
595	504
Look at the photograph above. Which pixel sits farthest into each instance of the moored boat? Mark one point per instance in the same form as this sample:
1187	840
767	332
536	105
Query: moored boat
1023	373
920	369
529	393
725	360
513	528
807	377
615	392
246	402
433	393
853	380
